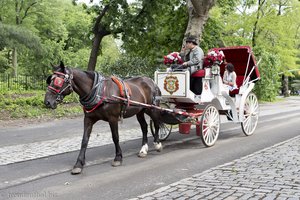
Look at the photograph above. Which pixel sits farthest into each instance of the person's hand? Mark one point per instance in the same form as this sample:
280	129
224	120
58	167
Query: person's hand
184	64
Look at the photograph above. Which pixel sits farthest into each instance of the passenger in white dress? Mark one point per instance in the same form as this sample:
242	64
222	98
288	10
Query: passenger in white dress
229	78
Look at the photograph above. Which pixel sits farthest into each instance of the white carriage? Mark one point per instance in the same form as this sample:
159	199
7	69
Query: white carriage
239	105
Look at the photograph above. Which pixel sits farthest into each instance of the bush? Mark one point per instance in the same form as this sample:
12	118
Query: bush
127	66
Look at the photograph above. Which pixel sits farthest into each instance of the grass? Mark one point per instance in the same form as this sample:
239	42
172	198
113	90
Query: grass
29	105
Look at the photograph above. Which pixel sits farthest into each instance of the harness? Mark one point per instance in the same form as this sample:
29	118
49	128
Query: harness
125	92
59	82
96	96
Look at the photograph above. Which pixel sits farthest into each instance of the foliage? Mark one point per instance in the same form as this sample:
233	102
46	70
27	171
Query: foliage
52	31
127	66
268	86
277	30
295	82
159	32
29	104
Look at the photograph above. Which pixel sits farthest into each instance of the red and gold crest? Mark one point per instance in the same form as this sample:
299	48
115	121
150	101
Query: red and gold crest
171	84
59	82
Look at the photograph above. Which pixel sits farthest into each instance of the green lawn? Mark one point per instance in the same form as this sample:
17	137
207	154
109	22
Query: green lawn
30	104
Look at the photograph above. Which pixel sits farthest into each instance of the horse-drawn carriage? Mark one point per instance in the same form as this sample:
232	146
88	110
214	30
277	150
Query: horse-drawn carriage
109	99
239	105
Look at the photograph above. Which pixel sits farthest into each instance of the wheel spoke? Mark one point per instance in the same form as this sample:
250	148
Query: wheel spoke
210	125
251	109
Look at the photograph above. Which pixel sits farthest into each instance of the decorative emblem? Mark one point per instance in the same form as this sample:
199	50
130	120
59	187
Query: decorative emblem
206	86
171	84
58	82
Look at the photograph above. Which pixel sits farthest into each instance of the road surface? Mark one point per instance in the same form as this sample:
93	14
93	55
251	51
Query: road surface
36	159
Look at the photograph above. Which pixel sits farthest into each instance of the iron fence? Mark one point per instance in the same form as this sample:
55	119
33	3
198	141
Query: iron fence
22	82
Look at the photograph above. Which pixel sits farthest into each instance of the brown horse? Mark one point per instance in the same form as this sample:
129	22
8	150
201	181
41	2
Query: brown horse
96	94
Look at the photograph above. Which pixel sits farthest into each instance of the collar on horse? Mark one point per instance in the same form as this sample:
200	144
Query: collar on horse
96	97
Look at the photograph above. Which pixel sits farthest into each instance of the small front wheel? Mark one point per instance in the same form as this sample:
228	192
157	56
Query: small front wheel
164	130
210	125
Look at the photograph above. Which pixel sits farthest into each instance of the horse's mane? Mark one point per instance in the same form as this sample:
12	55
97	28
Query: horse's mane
90	74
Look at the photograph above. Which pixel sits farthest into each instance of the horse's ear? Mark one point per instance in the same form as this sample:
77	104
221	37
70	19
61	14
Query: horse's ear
62	65
48	80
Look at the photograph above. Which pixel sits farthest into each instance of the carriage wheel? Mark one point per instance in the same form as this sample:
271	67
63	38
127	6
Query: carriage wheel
250	118
164	130
210	125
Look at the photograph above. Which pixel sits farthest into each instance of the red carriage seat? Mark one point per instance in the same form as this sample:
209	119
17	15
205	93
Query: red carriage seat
199	73
239	83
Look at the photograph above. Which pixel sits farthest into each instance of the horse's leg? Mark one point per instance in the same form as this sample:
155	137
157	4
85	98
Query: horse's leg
156	122
88	125
144	126
115	135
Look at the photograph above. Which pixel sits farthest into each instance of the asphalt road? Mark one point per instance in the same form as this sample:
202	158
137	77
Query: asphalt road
183	156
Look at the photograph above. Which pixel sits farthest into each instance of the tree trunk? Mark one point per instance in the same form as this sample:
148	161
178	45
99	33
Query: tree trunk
198	15
95	51
99	31
15	62
285	86
255	30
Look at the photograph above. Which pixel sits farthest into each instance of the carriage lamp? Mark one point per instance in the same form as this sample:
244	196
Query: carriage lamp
215	69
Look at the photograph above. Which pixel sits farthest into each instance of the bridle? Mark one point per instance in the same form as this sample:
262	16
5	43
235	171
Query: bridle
59	82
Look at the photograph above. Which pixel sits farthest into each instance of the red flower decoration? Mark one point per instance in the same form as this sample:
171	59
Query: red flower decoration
213	56
173	58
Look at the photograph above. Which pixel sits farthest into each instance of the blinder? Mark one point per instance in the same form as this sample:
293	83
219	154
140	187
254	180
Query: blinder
58	83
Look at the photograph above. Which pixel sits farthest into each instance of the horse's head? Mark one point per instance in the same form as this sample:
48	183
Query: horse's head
59	85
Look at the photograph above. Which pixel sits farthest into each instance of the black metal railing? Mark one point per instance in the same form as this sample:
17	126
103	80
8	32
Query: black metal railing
22	82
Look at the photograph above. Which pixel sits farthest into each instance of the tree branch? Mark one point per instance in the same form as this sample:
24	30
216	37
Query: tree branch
27	9
99	18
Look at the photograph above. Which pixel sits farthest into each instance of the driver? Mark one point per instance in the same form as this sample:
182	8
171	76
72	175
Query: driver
193	61
194	56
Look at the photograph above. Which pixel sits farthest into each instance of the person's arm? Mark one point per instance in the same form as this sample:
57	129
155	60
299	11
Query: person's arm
233	79
198	55
225	78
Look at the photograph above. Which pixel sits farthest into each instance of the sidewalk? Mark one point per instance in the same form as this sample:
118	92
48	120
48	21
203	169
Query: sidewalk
272	173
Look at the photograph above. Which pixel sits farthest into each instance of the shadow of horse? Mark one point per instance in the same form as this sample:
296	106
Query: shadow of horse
96	94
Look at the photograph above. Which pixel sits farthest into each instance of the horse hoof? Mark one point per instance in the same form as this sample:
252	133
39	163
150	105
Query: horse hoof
142	155
116	163
76	170
158	147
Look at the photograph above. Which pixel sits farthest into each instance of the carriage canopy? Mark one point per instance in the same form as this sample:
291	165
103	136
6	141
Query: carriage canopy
243	60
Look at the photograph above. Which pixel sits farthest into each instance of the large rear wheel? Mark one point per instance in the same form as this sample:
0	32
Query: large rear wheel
164	130
210	125
250	117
